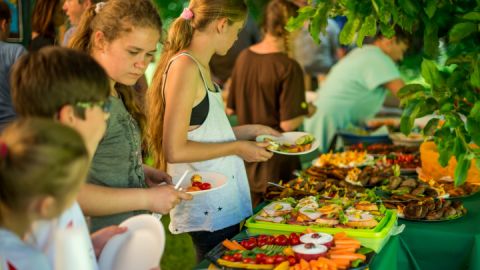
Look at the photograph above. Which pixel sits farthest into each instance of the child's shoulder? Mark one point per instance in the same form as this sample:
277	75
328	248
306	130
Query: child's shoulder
16	254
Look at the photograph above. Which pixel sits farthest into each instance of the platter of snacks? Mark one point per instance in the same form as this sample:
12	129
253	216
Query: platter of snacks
429	210
311	211
463	191
347	159
308	251
290	143
200	182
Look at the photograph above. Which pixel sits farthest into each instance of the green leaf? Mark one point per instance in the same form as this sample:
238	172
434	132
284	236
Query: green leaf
429	107
377	5
473	128
475	76
475	112
356	263
430	8
409	6
430	72
461	30
349	30
409	115
388	31
458	148
304	14
472	16
431	127
369	28
461	170
477	162
409	90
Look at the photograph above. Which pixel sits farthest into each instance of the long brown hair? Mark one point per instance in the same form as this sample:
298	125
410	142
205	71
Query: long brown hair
275	18
37	157
179	38
115	18
43	17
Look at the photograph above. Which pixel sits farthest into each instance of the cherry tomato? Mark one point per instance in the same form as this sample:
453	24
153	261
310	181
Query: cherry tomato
237	257
248	260
270	240
294	241
260	258
279	259
261	242
262	237
269	260
228	258
205	186
196	184
292	260
281	240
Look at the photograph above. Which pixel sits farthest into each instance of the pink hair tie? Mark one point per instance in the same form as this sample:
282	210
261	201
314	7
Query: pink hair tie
3	150
187	14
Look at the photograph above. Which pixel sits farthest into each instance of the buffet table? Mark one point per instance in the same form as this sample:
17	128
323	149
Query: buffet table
451	244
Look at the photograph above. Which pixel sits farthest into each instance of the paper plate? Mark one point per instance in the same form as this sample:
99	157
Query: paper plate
217	180
289	137
140	247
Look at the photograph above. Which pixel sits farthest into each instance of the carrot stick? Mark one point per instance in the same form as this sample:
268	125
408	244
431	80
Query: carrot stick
340	235
350	256
240	247
342	251
346	242
231	245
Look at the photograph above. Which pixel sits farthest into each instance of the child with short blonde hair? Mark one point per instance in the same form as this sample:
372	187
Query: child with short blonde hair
42	166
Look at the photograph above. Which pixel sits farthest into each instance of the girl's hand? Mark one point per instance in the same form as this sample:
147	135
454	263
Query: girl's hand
154	177
264	130
253	151
161	199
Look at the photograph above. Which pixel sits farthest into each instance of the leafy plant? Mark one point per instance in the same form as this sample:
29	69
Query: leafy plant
451	91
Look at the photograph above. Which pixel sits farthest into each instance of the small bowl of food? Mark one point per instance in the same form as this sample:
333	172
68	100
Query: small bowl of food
309	251
317	239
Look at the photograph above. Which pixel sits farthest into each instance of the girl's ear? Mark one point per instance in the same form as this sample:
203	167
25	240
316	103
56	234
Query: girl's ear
99	41
222	25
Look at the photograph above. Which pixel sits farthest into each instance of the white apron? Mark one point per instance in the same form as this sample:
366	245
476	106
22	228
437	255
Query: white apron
227	206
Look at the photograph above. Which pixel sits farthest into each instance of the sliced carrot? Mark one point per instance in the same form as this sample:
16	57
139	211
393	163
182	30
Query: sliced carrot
355	246
341	262
304	265
346	241
232	246
240	247
350	256
340	235
343	249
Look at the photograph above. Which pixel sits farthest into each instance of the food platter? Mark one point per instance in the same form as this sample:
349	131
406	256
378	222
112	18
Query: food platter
290	143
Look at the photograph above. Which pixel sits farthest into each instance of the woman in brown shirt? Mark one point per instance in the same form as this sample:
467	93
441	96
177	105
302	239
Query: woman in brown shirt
268	88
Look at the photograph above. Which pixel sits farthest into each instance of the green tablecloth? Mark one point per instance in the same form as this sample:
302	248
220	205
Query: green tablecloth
451	244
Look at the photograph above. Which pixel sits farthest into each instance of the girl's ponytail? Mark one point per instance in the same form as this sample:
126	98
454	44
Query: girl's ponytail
81	40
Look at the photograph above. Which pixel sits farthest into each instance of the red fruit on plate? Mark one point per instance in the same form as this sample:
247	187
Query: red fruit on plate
262	237
270	240
228	258
196	184
292	260
281	240
269	260
248	260
205	186
261	242
279	259
260	258
237	257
